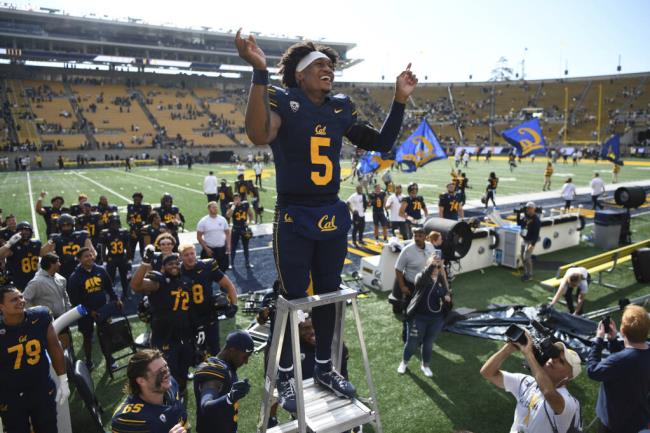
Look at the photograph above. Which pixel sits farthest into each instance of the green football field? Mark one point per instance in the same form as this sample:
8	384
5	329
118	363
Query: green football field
456	398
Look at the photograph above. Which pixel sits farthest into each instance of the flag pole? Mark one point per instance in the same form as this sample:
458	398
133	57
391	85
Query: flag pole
600	107
566	111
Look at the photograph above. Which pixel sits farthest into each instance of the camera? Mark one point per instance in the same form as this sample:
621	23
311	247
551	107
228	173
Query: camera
223	307
606	324
543	347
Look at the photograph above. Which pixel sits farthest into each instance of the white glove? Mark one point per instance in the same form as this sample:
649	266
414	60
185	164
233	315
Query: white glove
14	239
62	389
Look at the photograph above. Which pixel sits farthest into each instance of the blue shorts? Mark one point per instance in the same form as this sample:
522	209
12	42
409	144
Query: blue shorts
37	405
298	257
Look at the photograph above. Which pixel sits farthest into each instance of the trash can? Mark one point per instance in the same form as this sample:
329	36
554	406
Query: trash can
607	228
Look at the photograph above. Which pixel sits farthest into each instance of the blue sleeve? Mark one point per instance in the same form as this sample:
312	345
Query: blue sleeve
214	407
277	99
603	370
364	136
615	345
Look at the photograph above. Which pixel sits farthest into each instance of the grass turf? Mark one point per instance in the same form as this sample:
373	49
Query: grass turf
456	397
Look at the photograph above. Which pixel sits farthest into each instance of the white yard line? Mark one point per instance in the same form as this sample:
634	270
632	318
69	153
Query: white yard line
126	199
31	206
165	183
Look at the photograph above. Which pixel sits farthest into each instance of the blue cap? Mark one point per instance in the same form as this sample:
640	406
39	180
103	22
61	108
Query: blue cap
240	340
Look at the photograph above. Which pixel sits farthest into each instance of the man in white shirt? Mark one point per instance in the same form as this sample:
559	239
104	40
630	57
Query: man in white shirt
597	189
393	204
568	193
240	168
210	186
213	233
357	204
574	278
544	405
257	167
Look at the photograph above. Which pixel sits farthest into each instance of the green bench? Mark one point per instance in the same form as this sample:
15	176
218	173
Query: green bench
599	264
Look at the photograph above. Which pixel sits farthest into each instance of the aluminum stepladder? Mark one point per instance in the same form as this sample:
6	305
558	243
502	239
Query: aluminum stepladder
319	410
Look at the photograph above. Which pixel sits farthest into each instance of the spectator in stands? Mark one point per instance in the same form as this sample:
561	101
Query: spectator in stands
213	233
568	193
574	278
543	402
597	189
393	204
623	405
530	225
424	313
210	186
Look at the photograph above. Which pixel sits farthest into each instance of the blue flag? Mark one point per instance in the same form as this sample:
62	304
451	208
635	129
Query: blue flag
526	138
420	148
611	149
374	161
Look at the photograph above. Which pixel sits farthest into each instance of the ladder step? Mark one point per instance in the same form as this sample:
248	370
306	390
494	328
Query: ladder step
314	301
327	413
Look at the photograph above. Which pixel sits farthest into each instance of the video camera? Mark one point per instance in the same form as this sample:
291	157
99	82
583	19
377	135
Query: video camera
222	307
520	212
543	347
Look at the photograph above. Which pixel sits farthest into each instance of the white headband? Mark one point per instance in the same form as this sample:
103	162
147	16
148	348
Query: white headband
309	59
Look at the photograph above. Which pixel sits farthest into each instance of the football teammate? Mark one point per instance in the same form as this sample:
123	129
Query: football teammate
413	208
491	189
169	214
241	215
170	295
165	244
548	172
77	209
67	244
153	403
155	228
225	196
90	221
377	200
450	204
105	210
89	285
242	187
22	253
136	215
305	125
27	392
217	388
50	213
202	274
115	242
9	230
463	184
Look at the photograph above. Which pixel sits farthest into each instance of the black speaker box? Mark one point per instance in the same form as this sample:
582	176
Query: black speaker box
641	264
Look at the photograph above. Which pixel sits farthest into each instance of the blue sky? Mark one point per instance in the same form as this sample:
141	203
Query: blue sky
445	41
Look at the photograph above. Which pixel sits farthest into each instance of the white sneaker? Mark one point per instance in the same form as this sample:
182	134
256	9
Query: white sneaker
426	370
402	367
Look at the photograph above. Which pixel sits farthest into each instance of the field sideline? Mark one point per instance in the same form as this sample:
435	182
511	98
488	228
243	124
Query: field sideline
456	398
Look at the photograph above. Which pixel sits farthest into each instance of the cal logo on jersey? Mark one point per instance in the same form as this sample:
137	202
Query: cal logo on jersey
325	224
320	130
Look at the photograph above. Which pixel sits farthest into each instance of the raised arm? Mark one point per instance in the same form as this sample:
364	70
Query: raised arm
261	123
39	204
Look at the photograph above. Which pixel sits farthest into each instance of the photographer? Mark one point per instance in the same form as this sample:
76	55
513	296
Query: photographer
425	314
217	388
574	278
544	405
623	405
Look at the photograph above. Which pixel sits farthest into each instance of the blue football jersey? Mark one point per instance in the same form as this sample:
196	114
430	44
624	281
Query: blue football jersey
23	361
116	242
308	145
134	415
67	247
23	262
203	275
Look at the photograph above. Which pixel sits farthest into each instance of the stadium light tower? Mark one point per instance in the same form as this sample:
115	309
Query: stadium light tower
618	68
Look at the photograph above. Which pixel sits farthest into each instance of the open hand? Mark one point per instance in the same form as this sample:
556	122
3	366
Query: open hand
405	84
250	51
